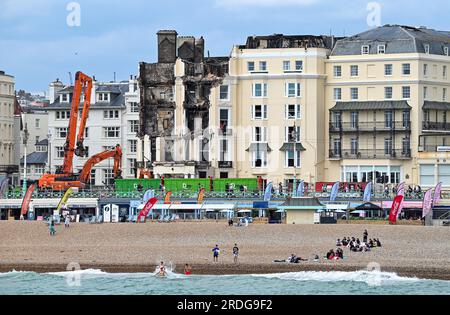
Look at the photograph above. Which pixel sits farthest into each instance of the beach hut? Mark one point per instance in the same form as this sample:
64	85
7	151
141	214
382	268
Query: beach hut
301	210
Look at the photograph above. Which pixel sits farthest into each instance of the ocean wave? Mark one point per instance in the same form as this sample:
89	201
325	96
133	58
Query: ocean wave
97	273
369	277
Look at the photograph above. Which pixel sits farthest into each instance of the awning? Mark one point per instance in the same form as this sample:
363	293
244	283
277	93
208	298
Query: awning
368	206
436	105
292	147
370	105
259	147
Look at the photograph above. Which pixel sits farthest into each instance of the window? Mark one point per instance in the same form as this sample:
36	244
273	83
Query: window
39	170
388	92
425	92
111	132
354	119
259	159
388	146
444	174
92	179
406	118
337	71
425	70
444	72
224	118
337	120
132	144
446	51
286	65
299	65
388	119
381	49
406	146
61	133
37	123
260	90
108	175
354	146
259	134
293	111
293	158
259	112
132	166
134	107
103	97
406	69
223	153
224	92
337	92
354	93
406	92
427	174
59	152
365	49
262	66
354	70
251	66
62	115
426	47
134	126
111	114
444	94
388	70
65	98
204	150
293	90
337	146
293	134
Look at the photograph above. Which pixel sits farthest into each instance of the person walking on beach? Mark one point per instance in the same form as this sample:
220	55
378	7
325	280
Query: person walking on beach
216	252
67	221
235	253
52	228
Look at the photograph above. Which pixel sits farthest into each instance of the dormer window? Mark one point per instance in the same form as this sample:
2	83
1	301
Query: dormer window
103	97
426	47
381	49
65	98
365	49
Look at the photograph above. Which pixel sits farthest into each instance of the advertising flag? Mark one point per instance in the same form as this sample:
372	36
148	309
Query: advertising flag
27	199
396	204
268	193
64	199
201	196
301	188
427	203
148	206
334	191
367	192
3	186
401	189
167	198
437	193
149	194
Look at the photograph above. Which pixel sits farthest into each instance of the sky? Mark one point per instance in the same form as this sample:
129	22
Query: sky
41	40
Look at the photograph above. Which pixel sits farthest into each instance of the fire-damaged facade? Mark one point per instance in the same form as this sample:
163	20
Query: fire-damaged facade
175	107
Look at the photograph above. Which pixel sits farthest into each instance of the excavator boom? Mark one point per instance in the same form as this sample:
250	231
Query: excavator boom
96	159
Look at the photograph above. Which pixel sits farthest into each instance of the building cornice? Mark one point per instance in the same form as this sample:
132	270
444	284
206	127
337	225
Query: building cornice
284	76
386	82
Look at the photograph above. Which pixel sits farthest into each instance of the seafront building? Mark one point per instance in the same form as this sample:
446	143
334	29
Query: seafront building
8	165
370	107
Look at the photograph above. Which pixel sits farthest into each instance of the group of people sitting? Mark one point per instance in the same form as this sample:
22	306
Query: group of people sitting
355	245
335	255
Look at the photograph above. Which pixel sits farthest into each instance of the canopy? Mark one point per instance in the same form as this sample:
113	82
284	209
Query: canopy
245	211
368	206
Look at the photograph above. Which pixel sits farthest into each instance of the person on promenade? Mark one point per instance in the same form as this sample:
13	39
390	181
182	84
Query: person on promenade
67	221
365	235
235	253
187	270
216	252
52	228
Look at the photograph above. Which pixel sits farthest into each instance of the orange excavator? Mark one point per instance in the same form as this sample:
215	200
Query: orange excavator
64	177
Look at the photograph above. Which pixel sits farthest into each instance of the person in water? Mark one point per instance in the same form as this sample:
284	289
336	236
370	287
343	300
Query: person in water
187	270
162	270
216	252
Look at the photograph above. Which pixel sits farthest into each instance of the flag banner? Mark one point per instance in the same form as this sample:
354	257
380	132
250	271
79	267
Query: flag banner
301	189
268	193
437	193
201	196
334	191
149	194
3	187
368	192
148	206
167	199
401	189
396	204
27	199
427	203
64	199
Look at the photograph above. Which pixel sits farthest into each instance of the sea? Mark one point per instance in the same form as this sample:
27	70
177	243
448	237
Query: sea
97	282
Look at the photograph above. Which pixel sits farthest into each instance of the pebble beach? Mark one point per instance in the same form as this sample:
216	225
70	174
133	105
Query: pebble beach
411	251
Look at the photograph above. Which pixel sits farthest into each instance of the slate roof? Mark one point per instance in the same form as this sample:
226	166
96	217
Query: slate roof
398	39
371	105
302	202
36	158
436	105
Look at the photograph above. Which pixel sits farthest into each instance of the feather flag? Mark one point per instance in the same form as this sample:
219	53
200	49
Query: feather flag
437	193
398	200
201	196
27	199
427	203
268	193
167	198
367	192
334	191
301	189
148	206
64	199
3	187
149	194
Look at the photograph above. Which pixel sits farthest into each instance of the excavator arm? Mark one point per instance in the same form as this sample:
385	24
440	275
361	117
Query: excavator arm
83	84
96	159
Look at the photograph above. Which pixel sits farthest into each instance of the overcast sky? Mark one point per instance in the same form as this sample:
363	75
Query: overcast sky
37	45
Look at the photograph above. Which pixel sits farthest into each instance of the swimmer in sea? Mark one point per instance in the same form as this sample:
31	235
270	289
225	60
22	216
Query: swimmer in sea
187	270
162	270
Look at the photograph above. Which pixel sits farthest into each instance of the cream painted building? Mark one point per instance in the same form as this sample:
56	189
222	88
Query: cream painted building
8	165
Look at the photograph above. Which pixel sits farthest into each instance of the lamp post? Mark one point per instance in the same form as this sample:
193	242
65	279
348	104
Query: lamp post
49	149
26	135
294	139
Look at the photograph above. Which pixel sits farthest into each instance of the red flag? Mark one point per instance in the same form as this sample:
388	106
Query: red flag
27	199
148	206
396	204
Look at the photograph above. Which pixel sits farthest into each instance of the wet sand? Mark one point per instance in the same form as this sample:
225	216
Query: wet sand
413	251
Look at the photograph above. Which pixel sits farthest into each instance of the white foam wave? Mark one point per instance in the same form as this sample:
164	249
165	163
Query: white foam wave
369	277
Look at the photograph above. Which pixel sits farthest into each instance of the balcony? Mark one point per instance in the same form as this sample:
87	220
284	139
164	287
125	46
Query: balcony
225	164
434	143
225	132
9	169
398	154
429	126
372	126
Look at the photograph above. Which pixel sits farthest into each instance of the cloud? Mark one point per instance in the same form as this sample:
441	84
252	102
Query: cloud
262	3
11	9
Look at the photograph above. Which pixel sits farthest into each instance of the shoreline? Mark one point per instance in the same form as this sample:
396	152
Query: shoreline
222	269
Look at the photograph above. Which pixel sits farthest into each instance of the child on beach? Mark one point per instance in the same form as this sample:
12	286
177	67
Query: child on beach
216	252
235	253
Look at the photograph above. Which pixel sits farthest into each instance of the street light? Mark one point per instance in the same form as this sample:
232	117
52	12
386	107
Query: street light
26	135
294	139
49	149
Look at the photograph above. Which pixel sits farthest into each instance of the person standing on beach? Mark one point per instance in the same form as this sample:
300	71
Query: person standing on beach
216	252
365	235
52	228
67	221
235	253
